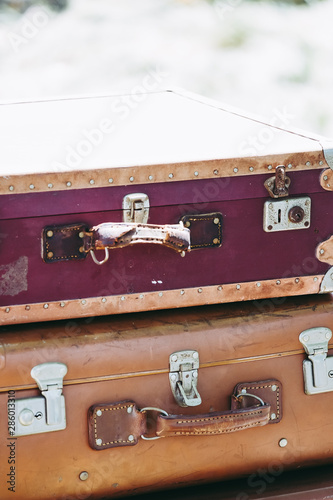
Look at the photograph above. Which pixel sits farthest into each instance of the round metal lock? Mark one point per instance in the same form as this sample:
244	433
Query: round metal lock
296	214
26	417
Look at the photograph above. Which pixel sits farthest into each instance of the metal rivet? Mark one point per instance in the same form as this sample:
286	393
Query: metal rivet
283	442
235	170
274	387
103	299
187	223
195	355
174	358
122	298
141	296
81	234
328	185
150	177
219	288
270	228
99	442
238	287
278	282
320	163
110	180
322	251
258	284
195	375
273	416
83	302
49	255
216	172
91	181
68	184
328	335
26	417
243	391
62	304
289	165
315	278
84	476
27	308
11	188
170	176
160	294
199	290
182	253
50	185
46	306
216	220
49	234
129	409
297	280
81	249
270	205
131	178
325	177
251	169
308	164
269	167
99	413
131	438
306	338
182	292
32	186
196	174
216	241
7	309
173	377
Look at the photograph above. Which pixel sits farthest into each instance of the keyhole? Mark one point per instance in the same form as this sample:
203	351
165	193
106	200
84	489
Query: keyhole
279	215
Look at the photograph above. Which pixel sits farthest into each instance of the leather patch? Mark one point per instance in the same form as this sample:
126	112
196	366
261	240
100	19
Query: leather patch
63	243
270	391
114	425
206	229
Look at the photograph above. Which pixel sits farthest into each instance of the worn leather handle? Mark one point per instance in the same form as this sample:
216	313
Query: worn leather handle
213	423
119	235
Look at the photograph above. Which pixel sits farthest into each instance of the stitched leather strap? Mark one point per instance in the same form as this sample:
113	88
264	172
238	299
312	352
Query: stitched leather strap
212	423
119	235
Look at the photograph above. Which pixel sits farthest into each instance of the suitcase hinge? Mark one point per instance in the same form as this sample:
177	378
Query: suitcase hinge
183	377
46	413
318	368
136	208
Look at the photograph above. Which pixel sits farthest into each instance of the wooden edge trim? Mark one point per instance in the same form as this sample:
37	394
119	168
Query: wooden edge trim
60	179
326	179
187	297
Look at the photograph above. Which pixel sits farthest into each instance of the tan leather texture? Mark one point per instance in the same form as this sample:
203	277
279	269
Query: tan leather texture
119	424
125	358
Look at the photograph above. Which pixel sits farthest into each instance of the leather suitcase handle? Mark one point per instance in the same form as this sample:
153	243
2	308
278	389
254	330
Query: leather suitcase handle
213	423
119	235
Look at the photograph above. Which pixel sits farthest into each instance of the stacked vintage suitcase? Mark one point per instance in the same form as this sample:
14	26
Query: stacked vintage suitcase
101	201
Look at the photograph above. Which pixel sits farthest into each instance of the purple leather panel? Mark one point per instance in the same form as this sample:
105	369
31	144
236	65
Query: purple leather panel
247	253
202	191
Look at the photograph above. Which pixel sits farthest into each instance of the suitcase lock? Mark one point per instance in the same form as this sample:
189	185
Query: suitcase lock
183	377
136	208
318	368
46	413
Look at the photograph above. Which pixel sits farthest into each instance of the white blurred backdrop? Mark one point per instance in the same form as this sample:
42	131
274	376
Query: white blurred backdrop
274	59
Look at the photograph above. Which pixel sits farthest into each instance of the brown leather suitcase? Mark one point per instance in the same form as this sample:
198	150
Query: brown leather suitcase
98	201
228	389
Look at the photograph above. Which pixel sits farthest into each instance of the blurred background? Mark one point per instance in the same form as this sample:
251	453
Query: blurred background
268	57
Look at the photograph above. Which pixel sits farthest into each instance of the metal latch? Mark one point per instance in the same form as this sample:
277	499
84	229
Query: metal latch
184	377
318	368
278	185
289	214
136	208
46	413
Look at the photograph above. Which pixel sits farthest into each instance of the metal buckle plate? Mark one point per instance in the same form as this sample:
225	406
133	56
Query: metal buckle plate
136	208
46	413
183	377
288	214
318	368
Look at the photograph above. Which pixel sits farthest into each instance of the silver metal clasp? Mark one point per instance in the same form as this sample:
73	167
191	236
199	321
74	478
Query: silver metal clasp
288	214
318	368
46	413
183	377
278	185
136	208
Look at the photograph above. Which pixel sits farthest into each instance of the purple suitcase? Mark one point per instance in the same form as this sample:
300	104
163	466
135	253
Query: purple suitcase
101	200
